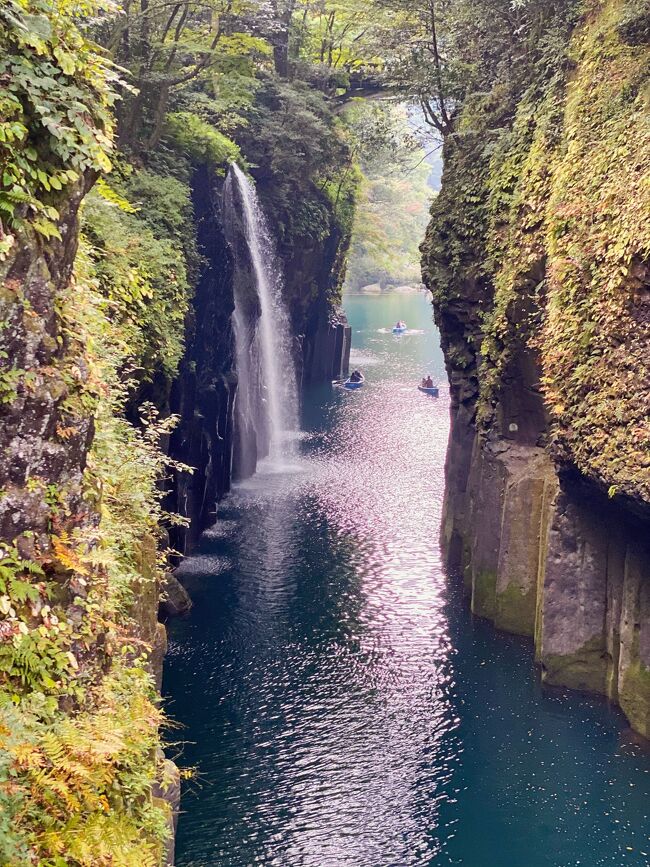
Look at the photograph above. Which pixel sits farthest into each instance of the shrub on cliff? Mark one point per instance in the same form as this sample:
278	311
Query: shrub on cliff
55	111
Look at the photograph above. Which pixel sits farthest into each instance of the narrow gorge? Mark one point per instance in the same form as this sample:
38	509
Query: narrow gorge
253	611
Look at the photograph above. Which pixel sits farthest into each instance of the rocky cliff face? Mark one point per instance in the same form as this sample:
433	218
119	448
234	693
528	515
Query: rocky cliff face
203	395
68	611
314	270
537	259
42	370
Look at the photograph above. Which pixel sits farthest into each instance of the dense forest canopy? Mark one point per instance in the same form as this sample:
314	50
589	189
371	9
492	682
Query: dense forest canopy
197	77
160	63
393	195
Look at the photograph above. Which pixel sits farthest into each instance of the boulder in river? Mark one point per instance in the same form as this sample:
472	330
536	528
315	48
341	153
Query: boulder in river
174	598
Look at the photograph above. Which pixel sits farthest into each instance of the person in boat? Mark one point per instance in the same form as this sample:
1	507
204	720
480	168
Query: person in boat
356	376
400	324
423	384
428	383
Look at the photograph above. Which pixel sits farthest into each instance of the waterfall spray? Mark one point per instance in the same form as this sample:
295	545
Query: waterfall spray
268	401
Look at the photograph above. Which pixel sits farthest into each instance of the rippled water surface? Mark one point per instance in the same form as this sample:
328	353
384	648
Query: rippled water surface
340	703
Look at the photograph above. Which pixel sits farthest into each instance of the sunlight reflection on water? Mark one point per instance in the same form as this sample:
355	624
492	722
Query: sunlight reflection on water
331	681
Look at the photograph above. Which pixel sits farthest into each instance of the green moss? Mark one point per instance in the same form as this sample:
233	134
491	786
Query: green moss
201	141
144	256
484	584
585	669
542	228
515	610
593	348
634	697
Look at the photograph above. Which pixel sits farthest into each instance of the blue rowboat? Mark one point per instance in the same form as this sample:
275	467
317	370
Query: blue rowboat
432	391
400	330
352	385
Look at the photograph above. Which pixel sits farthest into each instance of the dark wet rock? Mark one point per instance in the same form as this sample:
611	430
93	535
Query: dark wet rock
326	349
203	394
174	598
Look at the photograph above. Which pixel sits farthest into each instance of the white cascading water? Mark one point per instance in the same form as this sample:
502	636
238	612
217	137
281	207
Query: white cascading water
265	363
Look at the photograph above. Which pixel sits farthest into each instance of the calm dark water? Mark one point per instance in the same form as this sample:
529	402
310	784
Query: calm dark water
342	706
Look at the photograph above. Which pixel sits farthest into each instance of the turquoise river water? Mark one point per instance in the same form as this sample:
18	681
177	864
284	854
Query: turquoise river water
341	705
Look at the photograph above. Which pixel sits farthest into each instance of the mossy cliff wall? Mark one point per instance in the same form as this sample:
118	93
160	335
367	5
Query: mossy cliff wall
79	575
538	257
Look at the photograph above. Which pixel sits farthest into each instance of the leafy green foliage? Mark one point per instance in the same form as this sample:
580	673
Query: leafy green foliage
141	269
334	38
202	142
297	142
196	57
35	650
55	111
538	232
77	790
391	219
393	197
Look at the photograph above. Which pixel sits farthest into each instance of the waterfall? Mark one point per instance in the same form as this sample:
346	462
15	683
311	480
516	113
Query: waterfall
267	404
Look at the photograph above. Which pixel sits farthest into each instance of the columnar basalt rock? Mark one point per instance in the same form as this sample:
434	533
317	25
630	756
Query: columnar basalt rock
542	557
326	348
